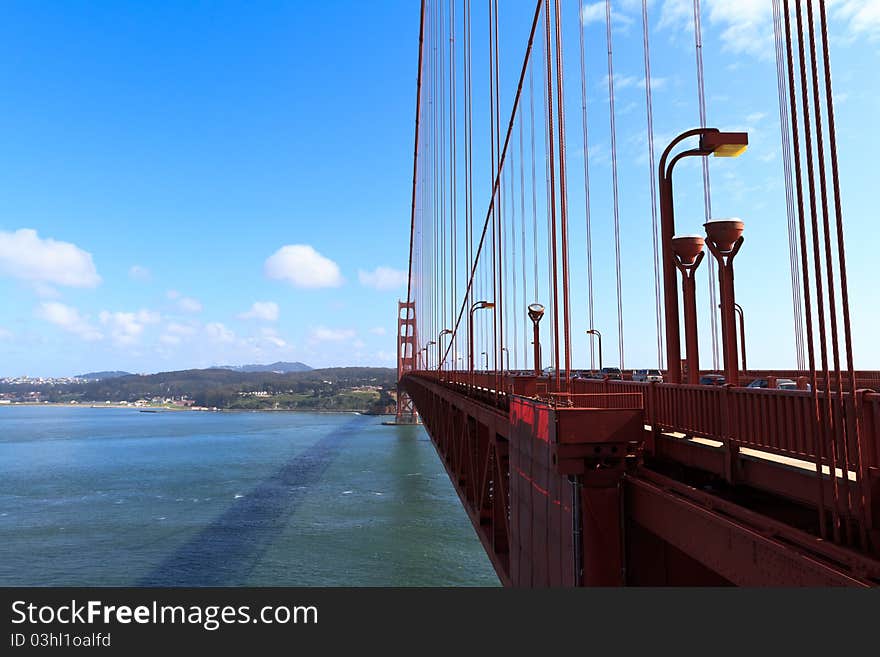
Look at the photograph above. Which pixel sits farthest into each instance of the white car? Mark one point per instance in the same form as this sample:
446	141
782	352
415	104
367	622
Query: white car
648	376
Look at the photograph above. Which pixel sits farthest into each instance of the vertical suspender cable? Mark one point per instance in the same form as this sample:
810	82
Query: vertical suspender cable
841	259
649	108
563	195
500	301
534	180
412	229
794	263
444	233
707	192
516	100
826	417
522	218
819	445
513	269
453	175
614	182
552	164
838	418
589	229
550	231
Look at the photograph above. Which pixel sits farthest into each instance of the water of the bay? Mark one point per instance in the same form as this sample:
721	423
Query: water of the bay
117	497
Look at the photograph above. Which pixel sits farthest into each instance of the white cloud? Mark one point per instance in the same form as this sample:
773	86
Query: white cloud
5	334
379	330
126	327
27	256
271	336
186	304
324	334
746	26
595	13
219	333
139	273
302	266
265	310
68	319
180	329
383	278
175	332
862	16
189	305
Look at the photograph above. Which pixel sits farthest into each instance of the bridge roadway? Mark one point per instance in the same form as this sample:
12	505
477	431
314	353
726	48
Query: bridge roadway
625	483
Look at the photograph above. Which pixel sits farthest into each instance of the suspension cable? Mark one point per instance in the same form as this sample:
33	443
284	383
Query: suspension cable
516	99
412	229
589	229
614	182
707	190
794	263
649	107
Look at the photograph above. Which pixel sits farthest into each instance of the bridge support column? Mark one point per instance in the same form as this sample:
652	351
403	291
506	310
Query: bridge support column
566	470
601	505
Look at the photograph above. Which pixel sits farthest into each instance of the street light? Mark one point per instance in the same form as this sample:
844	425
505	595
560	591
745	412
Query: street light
479	305
712	142
428	354
598	335
536	312
688	250
440	346
724	239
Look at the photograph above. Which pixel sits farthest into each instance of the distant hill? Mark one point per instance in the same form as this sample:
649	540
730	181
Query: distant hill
364	389
100	376
279	368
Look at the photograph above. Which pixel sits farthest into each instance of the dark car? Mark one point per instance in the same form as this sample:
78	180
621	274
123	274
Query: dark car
712	380
612	373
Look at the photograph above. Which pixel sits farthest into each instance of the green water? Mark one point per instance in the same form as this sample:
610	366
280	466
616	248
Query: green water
115	497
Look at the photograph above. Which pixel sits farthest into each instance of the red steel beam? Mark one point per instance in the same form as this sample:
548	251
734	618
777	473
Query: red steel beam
739	545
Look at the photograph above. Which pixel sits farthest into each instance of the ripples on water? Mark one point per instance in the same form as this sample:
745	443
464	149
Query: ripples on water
114	497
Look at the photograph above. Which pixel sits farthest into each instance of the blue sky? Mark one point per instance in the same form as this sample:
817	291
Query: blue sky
188	184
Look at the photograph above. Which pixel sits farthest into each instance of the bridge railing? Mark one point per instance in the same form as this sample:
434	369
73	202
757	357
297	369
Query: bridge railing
782	422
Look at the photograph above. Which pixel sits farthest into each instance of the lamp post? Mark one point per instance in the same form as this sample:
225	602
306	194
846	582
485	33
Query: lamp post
479	305
428	354
536	312
742	333
724	239
688	251
712	141
598	335
440	346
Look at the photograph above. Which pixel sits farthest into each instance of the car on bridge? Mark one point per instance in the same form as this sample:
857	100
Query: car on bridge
648	376
612	373
712	380
781	384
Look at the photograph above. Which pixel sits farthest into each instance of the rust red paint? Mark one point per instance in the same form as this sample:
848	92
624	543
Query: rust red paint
543	491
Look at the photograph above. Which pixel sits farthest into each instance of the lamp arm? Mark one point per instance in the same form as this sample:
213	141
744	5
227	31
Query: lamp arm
675	142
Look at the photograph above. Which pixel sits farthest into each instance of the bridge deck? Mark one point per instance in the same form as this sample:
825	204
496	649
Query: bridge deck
715	467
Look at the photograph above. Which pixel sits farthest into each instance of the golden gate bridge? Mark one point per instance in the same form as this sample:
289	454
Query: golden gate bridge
595	476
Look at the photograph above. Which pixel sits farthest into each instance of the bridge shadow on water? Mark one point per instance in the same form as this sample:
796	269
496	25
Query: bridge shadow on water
225	552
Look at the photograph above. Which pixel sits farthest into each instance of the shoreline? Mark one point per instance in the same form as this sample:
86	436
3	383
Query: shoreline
183	409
